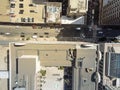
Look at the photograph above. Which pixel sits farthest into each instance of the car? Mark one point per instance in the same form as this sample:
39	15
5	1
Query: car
46	33
7	33
22	34
100	32
35	36
78	28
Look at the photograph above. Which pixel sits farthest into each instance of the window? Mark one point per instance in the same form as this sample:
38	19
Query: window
20	5
21	11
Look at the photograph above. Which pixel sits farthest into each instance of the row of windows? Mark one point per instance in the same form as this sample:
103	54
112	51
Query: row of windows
114	1
111	13
111	23
112	4
112	16
108	11
110	7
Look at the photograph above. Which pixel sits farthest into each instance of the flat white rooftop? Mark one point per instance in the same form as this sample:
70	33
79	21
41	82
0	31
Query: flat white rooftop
53	79
4	74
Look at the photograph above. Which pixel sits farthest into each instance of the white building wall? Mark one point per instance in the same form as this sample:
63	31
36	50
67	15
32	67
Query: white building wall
79	20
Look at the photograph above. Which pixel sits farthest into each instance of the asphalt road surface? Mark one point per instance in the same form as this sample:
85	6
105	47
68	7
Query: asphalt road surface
70	31
9	33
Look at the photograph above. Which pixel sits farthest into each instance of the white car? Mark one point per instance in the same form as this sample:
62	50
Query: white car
78	28
7	33
34	36
100	32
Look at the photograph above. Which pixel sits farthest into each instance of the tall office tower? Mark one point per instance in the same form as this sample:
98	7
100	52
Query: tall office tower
26	11
89	12
84	69
35	11
110	12
109	67
77	7
53	66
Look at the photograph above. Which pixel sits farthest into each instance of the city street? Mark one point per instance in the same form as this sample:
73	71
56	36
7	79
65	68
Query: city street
18	33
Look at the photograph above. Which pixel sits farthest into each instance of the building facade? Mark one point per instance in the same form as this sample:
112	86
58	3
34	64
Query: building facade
110	12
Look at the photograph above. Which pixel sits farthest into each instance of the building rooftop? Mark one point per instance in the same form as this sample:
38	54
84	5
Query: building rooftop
35	65
4	11
26	12
111	65
52	80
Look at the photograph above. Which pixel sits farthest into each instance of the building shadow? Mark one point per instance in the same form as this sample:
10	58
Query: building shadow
68	34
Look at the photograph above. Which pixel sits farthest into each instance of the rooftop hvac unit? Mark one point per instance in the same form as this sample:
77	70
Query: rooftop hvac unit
26	20
4	74
99	55
34	5
36	11
19	44
97	77
12	12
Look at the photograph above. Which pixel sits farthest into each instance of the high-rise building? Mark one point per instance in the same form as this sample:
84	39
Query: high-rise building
44	11
36	11
109	12
53	12
77	7
109	67
54	66
25	11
